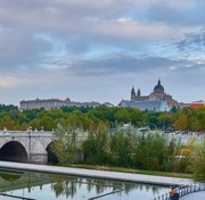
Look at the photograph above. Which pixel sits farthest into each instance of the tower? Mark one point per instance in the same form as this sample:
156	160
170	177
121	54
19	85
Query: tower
138	92
133	94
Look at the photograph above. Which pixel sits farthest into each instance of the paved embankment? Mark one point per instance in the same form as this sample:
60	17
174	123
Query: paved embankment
160	180
195	196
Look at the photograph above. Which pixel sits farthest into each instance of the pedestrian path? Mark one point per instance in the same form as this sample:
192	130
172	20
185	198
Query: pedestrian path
195	196
139	178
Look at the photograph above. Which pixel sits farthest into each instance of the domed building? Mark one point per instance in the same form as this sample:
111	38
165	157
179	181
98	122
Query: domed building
159	88
158	94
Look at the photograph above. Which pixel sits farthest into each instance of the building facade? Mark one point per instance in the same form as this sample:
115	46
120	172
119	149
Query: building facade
158	93
49	104
197	105
157	100
146	105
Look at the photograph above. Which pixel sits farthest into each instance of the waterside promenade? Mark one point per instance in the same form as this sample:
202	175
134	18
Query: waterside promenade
119	176
195	196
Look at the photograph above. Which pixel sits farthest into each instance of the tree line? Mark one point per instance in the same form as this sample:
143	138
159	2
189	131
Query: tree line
90	118
146	151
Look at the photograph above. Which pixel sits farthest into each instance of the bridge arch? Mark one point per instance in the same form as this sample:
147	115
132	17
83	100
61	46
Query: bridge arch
52	158
13	151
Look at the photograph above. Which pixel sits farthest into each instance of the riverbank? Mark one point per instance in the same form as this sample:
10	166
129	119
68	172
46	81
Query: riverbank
131	170
118	176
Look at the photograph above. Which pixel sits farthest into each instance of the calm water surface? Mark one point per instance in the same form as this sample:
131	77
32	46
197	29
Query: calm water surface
54	187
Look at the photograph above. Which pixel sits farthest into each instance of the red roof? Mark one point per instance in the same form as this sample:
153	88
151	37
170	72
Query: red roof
198	105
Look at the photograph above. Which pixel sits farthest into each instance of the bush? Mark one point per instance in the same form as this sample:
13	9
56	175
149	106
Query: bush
198	162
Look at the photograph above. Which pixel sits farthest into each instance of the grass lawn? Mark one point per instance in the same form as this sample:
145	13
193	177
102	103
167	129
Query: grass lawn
129	170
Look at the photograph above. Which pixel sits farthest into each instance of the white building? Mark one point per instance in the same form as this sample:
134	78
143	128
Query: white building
49	104
146	105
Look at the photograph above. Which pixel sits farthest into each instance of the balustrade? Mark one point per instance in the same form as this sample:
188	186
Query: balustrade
183	191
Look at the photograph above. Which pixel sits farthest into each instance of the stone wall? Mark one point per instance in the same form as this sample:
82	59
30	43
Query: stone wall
34	143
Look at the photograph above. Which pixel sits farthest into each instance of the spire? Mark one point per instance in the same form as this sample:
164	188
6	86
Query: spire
159	82
138	92
133	94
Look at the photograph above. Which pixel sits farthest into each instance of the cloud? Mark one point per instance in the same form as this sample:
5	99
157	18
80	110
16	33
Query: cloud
104	79
54	44
130	29
127	64
8	82
21	50
39	32
184	12
192	41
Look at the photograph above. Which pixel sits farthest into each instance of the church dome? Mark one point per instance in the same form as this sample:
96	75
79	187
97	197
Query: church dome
159	88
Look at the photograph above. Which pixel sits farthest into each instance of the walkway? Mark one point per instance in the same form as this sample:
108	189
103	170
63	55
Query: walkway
160	180
195	196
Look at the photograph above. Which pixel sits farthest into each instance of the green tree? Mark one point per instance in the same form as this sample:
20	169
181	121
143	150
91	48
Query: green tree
6	121
182	122
152	151
198	161
123	146
66	145
97	147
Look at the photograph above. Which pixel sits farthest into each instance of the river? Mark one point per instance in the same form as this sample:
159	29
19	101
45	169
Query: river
43	186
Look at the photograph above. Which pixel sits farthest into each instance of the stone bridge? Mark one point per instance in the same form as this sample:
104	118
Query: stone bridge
26	146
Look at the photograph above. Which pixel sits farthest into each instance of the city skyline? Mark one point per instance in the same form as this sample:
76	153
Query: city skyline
48	51
135	95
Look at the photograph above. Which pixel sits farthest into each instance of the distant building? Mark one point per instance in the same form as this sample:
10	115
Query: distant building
194	105
157	100
146	105
107	104
198	105
185	105
49	104
157	94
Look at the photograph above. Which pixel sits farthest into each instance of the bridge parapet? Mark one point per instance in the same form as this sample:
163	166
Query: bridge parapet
34	133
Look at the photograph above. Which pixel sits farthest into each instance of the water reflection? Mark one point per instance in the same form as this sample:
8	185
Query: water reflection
47	187
10	176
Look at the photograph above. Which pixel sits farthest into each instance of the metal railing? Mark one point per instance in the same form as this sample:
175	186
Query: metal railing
183	191
16	197
106	194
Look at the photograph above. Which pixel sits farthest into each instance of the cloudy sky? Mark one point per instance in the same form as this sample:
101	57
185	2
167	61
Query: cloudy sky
97	50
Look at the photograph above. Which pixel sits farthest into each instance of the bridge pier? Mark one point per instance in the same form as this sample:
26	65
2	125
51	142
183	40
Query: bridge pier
38	158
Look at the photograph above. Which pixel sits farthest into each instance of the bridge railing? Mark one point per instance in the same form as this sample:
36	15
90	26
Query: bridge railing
183	191
18	133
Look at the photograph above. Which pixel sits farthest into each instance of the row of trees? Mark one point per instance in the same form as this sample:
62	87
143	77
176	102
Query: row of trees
150	151
90	118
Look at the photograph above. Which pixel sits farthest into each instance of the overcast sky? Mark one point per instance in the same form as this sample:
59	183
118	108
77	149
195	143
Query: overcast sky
97	50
